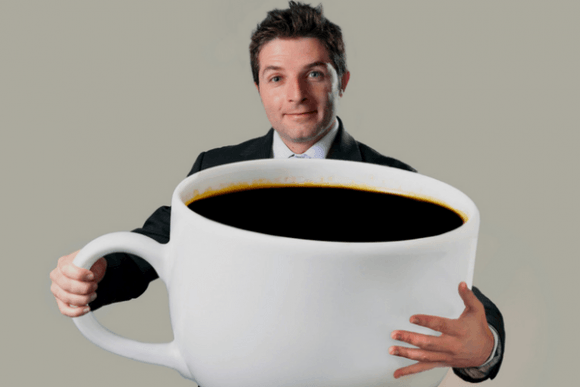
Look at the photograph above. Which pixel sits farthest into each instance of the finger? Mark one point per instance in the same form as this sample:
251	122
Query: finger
66	267
470	300
428	342
439	324
419	354
99	268
69	311
416	368
71	298
70	285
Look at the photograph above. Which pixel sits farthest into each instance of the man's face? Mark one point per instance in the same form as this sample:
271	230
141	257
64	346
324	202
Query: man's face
299	90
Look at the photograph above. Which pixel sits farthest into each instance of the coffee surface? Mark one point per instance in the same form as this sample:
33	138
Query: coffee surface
329	214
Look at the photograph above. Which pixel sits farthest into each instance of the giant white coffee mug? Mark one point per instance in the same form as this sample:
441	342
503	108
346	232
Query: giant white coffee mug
250	309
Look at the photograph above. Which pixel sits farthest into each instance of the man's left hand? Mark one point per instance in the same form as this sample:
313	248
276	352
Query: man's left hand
464	342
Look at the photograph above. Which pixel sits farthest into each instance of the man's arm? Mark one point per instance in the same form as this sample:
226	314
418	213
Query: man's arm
465	343
127	275
113	278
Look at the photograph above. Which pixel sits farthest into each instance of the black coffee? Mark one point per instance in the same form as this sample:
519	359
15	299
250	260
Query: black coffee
329	214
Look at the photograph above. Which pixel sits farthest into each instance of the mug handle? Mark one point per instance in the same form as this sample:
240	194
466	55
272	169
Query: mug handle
165	354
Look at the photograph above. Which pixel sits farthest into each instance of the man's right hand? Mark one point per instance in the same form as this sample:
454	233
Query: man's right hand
74	287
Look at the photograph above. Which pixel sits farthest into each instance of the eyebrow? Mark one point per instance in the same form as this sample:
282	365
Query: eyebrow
308	66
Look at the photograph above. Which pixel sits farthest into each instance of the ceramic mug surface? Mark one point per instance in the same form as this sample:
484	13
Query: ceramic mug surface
249	309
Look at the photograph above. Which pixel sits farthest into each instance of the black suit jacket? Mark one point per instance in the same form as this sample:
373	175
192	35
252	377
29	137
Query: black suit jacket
128	276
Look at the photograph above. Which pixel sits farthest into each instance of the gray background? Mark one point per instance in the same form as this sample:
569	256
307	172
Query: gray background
105	105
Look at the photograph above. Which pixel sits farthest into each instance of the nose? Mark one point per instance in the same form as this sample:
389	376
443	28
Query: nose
297	90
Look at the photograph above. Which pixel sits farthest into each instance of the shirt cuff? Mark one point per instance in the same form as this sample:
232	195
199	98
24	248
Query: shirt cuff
481	372
495	342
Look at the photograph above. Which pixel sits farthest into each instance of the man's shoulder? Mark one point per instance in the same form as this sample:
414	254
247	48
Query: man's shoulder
369	155
239	151
253	149
345	147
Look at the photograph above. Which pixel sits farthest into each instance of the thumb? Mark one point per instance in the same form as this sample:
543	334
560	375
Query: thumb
469	299
99	268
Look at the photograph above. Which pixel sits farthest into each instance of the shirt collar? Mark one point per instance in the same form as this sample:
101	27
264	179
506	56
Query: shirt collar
316	151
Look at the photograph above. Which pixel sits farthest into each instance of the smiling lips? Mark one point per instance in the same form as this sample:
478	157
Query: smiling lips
301	114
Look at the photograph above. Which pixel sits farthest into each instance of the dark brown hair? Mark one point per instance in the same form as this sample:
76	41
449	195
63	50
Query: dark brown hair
299	21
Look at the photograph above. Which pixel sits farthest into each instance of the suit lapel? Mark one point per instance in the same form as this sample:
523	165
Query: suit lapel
260	148
344	147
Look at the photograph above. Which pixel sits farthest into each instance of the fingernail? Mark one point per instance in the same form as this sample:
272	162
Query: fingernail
90	277
86	310
393	351
93	297
414	320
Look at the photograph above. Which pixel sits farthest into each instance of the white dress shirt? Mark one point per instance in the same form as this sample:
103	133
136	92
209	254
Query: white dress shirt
316	151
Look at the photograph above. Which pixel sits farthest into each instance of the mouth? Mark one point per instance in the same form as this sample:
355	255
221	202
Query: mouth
304	114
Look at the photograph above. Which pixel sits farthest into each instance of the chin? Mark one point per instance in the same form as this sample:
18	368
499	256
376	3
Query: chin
306	137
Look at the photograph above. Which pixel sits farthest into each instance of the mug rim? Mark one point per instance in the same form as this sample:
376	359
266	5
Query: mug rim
468	212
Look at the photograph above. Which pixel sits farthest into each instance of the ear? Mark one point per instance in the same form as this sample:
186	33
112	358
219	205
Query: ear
257	87
343	82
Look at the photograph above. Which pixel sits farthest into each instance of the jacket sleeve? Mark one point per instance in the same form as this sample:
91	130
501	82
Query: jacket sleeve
127	275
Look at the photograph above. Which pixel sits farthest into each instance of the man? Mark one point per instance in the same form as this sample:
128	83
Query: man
299	69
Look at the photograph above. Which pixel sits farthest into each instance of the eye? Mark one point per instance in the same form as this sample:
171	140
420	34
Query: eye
275	79
315	74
